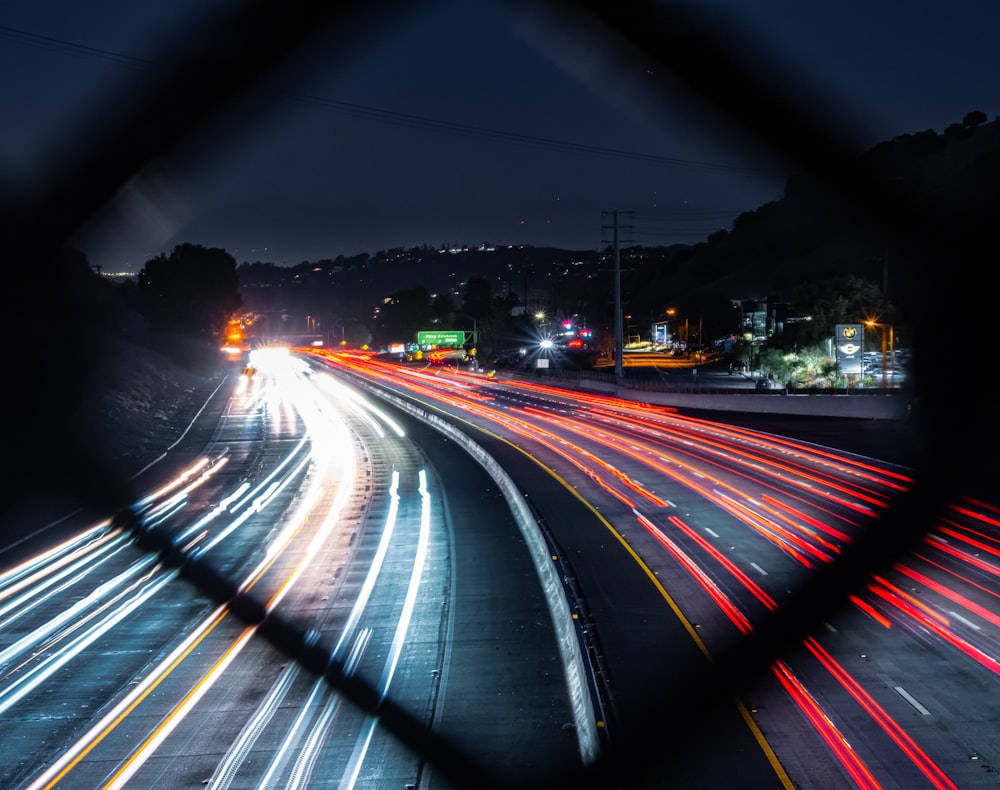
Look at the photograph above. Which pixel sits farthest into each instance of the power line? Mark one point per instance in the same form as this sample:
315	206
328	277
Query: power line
399	118
61	45
421	122
619	345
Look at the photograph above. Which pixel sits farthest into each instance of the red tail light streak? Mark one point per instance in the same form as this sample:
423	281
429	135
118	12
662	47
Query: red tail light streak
769	492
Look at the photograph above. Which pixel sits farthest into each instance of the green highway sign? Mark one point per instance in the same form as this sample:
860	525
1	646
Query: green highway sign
440	338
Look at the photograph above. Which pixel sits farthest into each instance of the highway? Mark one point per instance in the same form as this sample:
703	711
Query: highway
116	670
541	579
896	689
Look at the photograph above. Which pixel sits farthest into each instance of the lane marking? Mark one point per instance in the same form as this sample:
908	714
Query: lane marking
906	695
961	619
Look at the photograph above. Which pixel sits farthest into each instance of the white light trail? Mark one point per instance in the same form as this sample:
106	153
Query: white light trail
357	759
26	603
360	401
374	569
272	474
419	560
214	513
83	745
328	434
13	579
30	681
225	773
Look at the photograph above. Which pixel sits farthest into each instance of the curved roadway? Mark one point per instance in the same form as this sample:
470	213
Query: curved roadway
506	585
688	534
319	509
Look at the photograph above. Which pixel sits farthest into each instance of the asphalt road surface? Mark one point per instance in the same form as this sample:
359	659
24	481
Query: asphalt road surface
728	525
331	497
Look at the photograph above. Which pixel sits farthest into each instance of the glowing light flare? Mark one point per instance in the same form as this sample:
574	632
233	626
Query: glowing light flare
271	359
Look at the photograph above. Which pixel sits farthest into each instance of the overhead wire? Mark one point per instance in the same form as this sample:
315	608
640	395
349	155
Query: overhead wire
408	120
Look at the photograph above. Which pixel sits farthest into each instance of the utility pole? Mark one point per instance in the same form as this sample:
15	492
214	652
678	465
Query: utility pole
619	345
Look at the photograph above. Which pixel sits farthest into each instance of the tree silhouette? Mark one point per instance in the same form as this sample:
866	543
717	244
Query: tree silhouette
404	314
193	291
974	118
477	299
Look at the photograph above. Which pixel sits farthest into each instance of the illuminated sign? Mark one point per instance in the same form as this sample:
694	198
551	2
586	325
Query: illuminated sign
441	338
850	344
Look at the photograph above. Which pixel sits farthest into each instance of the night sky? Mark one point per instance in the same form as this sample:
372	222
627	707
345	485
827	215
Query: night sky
463	123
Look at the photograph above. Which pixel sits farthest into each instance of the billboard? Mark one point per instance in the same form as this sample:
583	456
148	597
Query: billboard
441	338
849	342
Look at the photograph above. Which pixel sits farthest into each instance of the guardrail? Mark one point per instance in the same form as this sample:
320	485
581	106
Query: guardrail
584	696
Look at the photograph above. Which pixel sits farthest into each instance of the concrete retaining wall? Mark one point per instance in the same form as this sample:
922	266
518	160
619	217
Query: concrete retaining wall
876	406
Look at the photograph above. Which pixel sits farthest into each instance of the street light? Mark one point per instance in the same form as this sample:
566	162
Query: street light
672	316
871	322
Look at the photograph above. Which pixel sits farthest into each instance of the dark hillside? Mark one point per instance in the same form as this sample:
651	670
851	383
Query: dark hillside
950	180
96	396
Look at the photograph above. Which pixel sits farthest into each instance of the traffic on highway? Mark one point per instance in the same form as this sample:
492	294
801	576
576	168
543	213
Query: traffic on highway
380	574
896	690
140	651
